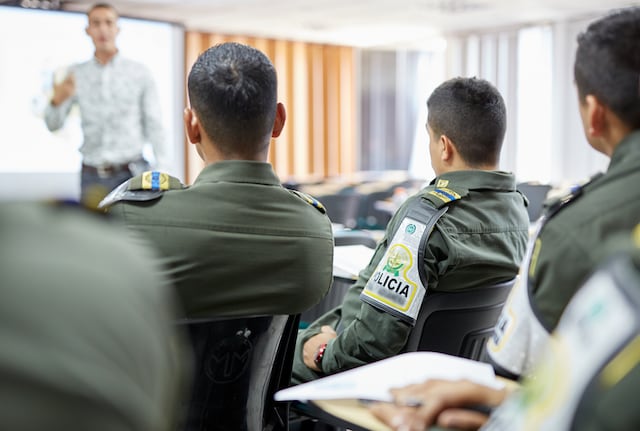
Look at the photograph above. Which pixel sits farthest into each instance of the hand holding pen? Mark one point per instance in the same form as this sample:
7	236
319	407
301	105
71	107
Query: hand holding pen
450	404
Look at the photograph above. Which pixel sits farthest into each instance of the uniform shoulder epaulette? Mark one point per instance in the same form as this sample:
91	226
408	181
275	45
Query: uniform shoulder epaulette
147	186
75	206
525	199
552	206
442	193
310	200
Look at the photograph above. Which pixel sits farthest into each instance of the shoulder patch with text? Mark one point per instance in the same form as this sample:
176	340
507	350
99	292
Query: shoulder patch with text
395	286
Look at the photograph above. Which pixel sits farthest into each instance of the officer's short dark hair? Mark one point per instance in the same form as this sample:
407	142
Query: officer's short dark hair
472	114
607	63
233	90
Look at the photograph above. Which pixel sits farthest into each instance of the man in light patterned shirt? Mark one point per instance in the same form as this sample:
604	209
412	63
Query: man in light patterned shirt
118	105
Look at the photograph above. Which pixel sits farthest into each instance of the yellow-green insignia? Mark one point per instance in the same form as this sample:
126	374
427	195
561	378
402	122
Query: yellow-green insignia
622	364
445	195
147	186
449	192
442	198
316	203
310	200
313	201
154	180
397	258
534	257
636	235
442	183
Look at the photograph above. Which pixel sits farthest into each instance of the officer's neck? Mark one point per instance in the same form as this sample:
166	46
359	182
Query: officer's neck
461	165
212	154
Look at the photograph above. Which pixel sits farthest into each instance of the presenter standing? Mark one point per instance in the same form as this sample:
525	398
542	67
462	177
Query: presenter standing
119	109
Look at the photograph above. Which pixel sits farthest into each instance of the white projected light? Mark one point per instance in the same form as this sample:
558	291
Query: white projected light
38	47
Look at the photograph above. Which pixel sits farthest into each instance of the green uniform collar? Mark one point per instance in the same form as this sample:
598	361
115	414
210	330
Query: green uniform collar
452	186
628	146
478	180
238	171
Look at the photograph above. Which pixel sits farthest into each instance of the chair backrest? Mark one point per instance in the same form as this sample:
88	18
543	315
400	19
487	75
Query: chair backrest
354	237
239	363
369	216
536	194
342	208
458	323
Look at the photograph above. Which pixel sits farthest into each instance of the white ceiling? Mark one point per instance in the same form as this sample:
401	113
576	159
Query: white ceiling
360	23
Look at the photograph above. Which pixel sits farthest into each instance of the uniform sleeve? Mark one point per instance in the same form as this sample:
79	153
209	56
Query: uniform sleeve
152	122
554	284
372	334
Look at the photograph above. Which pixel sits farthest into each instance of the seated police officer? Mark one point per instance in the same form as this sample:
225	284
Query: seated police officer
467	229
235	242
586	378
568	246
87	326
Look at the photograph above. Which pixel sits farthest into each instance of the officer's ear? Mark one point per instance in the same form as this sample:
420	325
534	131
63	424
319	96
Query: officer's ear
595	115
192	126
448	149
278	123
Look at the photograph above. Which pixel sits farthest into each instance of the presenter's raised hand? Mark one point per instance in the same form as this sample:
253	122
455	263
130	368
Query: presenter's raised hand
63	90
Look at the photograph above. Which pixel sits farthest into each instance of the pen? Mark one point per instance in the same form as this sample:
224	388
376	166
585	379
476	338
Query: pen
406	402
416	402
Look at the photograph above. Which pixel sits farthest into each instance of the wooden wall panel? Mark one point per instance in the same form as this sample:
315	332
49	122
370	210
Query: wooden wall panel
316	107
348	117
316	83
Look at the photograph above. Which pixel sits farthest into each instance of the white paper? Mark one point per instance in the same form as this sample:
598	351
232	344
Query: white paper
349	260
374	381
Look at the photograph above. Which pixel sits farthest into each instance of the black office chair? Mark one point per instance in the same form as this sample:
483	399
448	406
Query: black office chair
536	195
370	217
333	298
239	363
354	237
458	323
342	208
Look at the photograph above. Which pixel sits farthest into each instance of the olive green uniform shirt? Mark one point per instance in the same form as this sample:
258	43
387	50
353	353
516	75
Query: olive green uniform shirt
238	243
480	240
86	326
569	245
589	374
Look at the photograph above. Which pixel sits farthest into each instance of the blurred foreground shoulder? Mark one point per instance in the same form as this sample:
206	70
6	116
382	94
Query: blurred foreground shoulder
75	286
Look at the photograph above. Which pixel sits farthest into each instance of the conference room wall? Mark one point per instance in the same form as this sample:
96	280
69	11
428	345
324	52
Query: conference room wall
532	67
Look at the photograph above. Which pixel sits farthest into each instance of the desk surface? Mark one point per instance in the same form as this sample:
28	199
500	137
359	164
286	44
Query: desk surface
351	414
346	413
